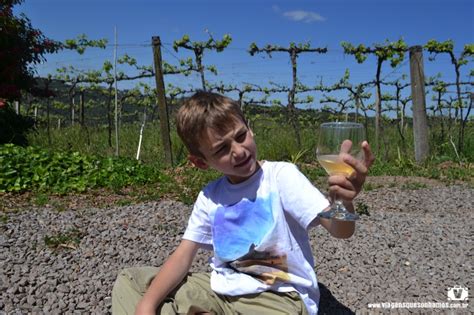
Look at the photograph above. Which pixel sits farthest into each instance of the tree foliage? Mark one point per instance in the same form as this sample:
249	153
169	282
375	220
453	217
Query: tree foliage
447	47
13	127
198	48
293	50
21	47
81	43
392	51
388	51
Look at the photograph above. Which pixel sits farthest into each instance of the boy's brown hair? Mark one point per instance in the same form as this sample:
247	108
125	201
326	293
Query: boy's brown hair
206	110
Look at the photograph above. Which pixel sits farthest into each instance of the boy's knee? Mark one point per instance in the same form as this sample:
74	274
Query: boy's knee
136	279
121	284
129	288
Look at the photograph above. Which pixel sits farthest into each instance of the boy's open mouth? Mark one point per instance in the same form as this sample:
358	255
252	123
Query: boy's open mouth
244	162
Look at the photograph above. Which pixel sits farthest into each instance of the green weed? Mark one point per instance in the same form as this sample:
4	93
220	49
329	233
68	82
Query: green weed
58	206
3	218
41	199
371	186
296	158
413	186
362	208
68	239
80	159
123	202
36	169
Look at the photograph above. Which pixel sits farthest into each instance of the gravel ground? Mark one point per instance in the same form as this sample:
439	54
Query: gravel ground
413	246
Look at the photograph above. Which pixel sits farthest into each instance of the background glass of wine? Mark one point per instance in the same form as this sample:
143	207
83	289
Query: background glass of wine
328	152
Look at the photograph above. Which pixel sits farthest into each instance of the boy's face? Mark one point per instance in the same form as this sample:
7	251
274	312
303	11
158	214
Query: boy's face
232	153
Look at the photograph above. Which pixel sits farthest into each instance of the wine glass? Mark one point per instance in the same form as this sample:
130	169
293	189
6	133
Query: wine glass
328	152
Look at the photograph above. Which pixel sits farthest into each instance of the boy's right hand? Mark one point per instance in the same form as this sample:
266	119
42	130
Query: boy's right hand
170	275
347	188
145	308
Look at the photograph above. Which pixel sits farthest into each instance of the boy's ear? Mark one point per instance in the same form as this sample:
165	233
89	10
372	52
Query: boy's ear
198	162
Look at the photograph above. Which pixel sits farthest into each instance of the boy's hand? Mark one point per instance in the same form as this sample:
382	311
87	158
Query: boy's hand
143	309
348	188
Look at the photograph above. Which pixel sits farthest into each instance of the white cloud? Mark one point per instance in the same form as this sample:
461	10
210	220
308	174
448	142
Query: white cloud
304	16
275	8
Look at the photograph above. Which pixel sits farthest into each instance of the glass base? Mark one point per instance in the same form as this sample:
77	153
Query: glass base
339	212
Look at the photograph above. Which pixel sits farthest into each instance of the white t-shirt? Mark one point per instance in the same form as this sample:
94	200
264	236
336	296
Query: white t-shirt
258	231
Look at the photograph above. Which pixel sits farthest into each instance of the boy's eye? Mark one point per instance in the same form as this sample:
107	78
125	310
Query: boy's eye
241	137
219	150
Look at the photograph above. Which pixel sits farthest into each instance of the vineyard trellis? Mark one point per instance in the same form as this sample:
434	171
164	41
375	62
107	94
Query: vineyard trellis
359	96
293	50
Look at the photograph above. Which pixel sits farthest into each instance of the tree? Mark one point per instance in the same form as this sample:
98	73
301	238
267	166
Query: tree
21	47
293	50
391	51
198	49
400	104
447	47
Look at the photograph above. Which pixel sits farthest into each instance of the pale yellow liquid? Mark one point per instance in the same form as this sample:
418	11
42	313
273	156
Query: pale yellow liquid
334	165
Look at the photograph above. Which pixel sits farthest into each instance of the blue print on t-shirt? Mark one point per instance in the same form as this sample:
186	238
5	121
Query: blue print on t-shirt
236	228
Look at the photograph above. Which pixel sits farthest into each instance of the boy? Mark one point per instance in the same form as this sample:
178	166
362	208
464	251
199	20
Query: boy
255	219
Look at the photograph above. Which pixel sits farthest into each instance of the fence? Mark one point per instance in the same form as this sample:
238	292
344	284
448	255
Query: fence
86	97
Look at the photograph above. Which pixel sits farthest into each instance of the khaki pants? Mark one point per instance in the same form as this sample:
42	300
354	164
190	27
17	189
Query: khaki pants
194	294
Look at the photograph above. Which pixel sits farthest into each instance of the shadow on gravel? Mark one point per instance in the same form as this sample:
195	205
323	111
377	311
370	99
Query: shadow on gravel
328	305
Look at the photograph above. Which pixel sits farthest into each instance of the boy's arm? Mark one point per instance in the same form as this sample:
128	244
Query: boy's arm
170	275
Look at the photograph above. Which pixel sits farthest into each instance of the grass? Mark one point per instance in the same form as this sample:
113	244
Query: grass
3	218
83	163
33	168
371	186
184	183
274	137
41	199
94	141
413	186
431	168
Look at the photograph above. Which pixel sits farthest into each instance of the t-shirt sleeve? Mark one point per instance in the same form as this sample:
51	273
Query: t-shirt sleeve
199	227
299	197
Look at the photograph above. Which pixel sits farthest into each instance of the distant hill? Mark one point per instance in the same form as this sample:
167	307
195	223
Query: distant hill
96	101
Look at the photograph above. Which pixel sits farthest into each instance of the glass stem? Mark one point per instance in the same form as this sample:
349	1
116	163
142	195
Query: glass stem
338	206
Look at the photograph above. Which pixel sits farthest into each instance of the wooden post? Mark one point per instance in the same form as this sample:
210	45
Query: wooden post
357	105
420	122
35	111
81	107
48	121
17	107
161	99
117	141
48	108
73	106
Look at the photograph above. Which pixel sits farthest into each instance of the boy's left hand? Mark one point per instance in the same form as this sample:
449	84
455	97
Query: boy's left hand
347	188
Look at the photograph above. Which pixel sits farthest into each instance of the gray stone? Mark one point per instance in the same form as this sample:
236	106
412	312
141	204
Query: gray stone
62	288
31	300
429	228
82	305
62	305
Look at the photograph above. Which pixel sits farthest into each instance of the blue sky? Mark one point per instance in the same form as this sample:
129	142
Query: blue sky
322	23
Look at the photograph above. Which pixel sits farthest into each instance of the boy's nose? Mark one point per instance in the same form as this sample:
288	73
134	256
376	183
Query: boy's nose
237	150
